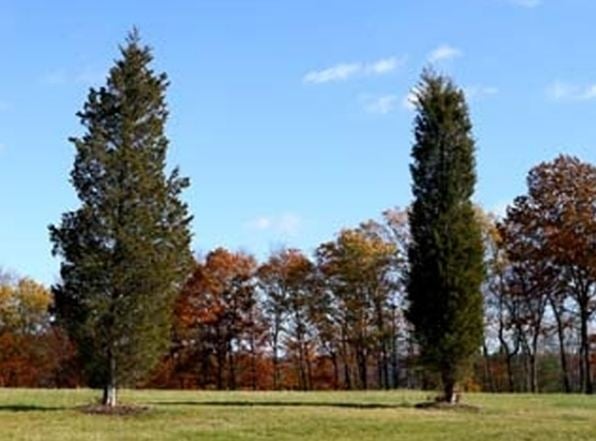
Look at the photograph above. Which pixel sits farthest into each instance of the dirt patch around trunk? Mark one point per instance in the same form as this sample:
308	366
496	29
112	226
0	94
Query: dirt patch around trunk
441	405
123	410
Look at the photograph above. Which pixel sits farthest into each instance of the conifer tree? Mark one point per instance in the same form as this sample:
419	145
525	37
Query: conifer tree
126	250
446	252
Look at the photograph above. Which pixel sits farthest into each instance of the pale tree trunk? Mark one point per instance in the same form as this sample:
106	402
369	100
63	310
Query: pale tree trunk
276	376
110	389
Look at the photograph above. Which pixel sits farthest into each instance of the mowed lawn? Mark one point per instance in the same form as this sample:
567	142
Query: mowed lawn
27	414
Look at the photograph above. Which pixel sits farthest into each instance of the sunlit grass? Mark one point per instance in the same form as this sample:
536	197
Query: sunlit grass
47	415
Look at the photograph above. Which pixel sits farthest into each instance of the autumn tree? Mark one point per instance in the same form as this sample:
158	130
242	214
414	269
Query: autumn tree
286	280
125	250
394	228
491	288
552	235
358	268
445	254
31	349
216	308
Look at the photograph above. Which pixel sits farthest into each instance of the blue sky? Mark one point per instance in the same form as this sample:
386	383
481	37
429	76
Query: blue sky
290	117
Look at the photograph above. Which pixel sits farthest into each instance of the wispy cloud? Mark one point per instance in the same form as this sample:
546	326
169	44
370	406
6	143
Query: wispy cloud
562	91
4	106
286	224
60	77
383	66
478	92
338	72
2	147
444	52
344	71
526	3
380	105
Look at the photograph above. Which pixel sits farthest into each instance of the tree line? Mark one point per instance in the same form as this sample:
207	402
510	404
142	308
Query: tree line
337	319
438	294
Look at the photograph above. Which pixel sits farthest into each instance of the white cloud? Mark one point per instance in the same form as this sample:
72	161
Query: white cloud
336	73
287	224
381	104
444	53
344	71
561	91
478	92
384	65
2	147
4	106
260	223
526	3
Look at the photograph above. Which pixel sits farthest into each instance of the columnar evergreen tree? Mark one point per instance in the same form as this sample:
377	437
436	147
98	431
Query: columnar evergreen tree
446	252
125	251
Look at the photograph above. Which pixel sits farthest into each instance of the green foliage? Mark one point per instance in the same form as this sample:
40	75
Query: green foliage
446	252
125	250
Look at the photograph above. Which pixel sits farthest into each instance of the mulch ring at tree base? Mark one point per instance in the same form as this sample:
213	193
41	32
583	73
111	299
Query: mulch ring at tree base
124	410
441	405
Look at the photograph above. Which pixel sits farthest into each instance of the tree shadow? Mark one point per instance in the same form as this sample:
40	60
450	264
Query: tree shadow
28	408
284	404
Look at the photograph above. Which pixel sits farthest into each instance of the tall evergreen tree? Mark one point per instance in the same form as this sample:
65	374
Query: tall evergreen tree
126	250
446	252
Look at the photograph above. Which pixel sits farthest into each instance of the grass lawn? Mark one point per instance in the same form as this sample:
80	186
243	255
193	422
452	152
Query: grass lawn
47	415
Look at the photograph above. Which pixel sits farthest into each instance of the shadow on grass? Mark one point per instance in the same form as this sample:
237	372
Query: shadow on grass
28	408
283	404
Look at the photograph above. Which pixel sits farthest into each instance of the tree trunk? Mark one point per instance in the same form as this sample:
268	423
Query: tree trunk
309	385
562	353
533	360
509	360
335	370
110	389
231	368
361	361
394	357
253	362
346	360
347	377
220	354
275	359
385	364
488	376
533	373
449	388
585	351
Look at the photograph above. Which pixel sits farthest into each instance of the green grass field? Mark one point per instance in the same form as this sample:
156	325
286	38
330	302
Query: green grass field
48	415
